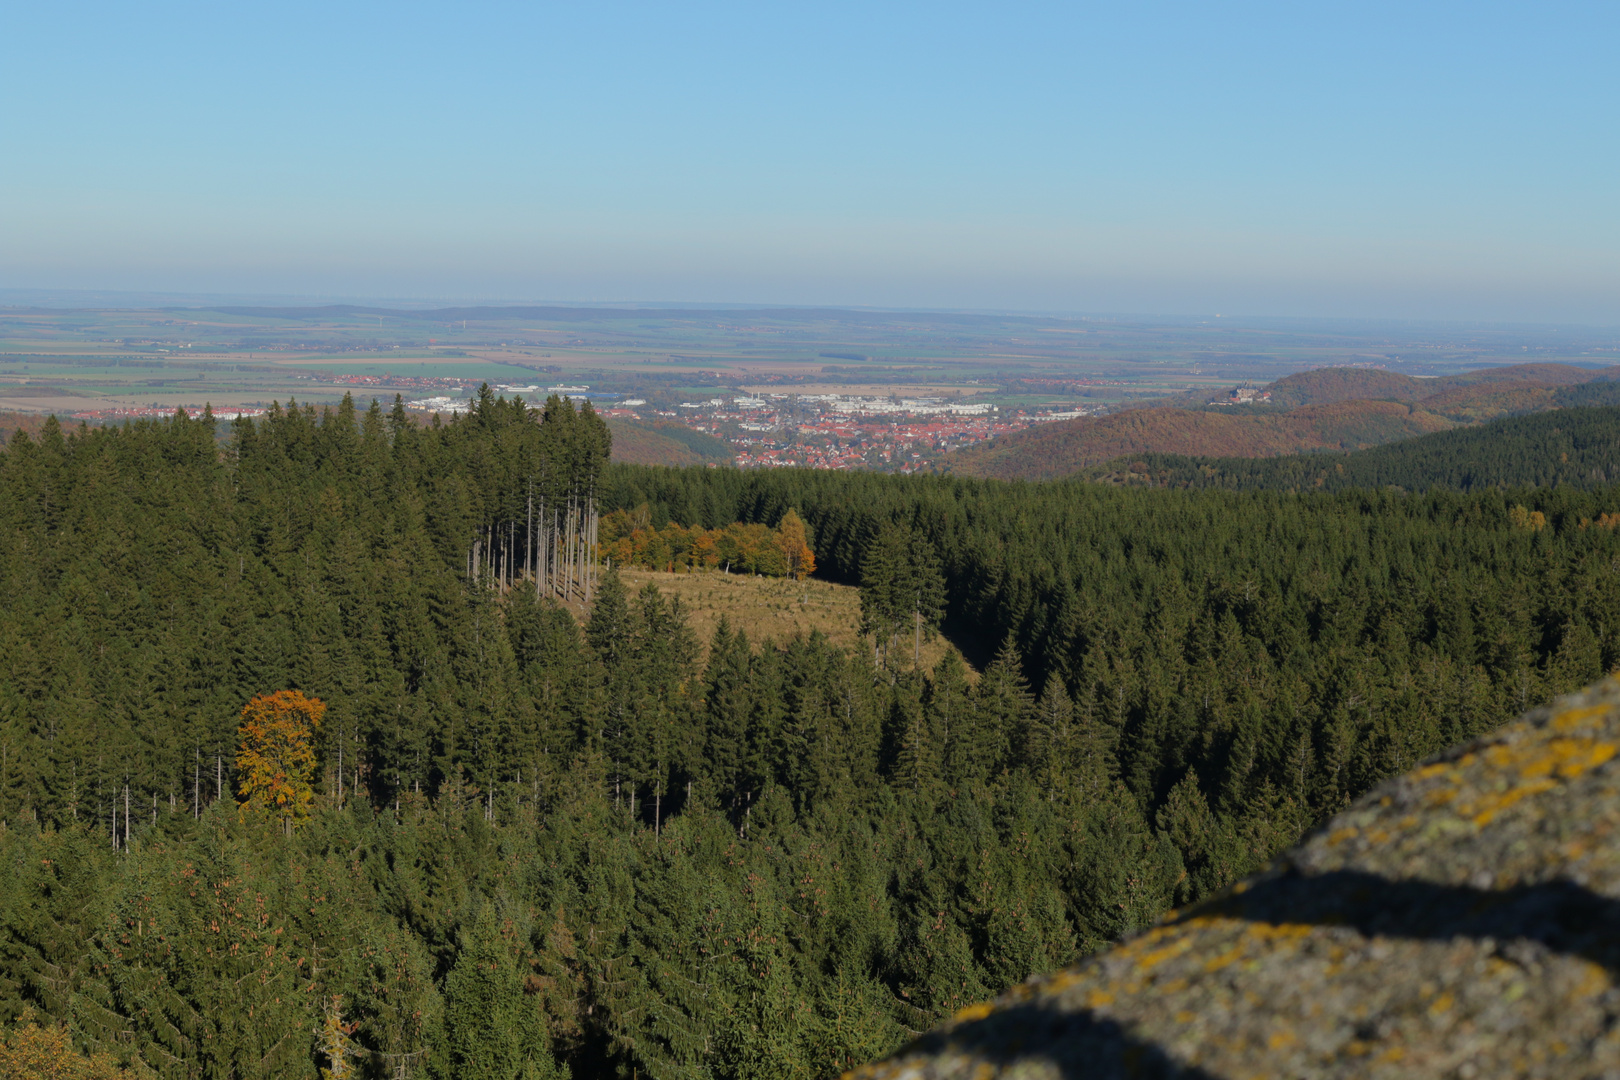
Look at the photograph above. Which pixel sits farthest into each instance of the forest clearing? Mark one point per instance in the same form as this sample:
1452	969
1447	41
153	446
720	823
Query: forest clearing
768	608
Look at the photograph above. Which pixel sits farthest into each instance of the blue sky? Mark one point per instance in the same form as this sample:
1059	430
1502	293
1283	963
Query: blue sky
1427	160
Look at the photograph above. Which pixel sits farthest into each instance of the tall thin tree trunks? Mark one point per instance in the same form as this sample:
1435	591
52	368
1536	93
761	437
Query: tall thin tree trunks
573	552
555	548
593	550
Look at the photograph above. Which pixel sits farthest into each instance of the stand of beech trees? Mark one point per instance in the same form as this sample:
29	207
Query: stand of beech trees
540	849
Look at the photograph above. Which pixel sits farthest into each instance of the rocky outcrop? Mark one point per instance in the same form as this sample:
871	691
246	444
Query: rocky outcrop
1460	921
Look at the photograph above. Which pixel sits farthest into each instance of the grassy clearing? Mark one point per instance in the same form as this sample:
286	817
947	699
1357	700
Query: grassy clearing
768	608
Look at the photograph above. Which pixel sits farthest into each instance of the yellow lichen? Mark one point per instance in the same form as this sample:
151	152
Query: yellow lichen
1570	719
1484	811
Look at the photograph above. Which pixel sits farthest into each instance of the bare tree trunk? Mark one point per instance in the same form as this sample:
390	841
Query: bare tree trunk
126	817
571	557
591	558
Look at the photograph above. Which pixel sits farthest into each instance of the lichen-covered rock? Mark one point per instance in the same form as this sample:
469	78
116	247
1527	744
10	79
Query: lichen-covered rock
1461	921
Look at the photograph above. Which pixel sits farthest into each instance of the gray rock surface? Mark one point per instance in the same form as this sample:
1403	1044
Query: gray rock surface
1460	921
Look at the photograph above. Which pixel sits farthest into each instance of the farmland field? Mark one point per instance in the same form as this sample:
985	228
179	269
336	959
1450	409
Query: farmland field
188	355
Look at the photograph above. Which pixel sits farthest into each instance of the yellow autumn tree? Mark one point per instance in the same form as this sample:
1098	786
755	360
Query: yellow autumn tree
275	757
1529	520
32	1052
793	540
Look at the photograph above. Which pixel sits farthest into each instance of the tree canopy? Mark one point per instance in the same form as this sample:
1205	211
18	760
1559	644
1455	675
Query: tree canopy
564	846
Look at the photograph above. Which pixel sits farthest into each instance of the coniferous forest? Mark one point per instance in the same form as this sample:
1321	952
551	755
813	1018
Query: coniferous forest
536	846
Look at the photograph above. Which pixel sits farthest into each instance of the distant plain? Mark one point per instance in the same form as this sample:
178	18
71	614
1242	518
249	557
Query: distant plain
56	359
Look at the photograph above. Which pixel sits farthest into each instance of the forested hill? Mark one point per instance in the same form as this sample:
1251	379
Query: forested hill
536	847
640	443
1329	409
1575	446
1325	386
1059	449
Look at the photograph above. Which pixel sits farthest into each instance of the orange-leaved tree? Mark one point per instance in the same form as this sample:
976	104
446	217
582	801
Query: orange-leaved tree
29	1051
794	541
275	759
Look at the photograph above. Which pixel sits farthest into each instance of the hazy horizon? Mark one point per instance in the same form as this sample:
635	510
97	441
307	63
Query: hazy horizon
1444	164
134	300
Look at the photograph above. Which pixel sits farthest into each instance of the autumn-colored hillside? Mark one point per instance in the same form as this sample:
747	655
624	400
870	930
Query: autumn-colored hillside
11	422
664	444
1486	401
1054	450
1324	386
1326	409
1553	374
1355	425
